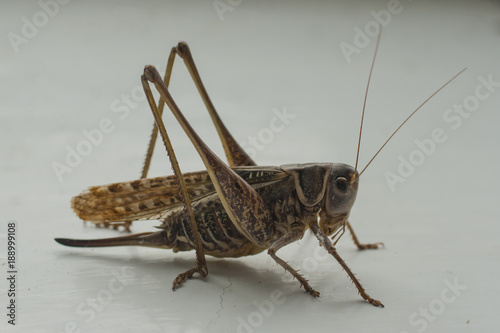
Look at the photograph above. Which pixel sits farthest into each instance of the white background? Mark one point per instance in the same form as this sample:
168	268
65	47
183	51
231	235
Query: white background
440	225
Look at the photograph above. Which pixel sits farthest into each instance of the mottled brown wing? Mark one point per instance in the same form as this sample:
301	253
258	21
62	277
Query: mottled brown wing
140	199
156	198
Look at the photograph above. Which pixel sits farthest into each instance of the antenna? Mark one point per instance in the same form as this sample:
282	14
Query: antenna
366	96
397	129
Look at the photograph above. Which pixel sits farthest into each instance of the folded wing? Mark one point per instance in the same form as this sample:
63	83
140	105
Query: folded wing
156	198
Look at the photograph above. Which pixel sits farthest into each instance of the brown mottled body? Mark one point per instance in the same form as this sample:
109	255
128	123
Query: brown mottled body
156	198
225	211
220	237
230	210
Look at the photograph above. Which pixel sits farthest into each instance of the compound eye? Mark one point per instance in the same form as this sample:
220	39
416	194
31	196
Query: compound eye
341	184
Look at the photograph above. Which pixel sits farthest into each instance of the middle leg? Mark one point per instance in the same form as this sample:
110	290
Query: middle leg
281	242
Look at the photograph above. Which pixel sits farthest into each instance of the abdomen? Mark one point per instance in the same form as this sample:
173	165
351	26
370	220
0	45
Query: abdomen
219	236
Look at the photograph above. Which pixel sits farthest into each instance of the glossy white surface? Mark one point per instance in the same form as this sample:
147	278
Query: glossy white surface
440	225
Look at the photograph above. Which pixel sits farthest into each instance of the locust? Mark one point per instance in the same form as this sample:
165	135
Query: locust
228	210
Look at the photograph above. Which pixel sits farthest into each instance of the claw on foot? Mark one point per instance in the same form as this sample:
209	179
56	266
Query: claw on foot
375	302
307	287
115	225
203	271
313	292
372	246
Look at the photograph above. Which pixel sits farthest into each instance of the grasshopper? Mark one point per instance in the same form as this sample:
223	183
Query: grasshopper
228	210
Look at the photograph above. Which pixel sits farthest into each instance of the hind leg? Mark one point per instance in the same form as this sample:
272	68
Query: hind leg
246	209
201	264
235	155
